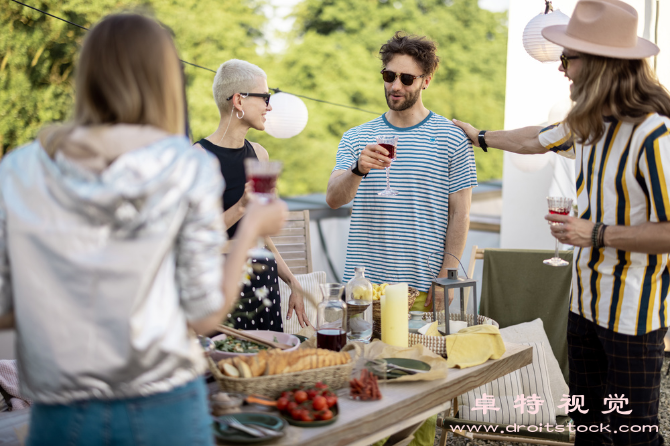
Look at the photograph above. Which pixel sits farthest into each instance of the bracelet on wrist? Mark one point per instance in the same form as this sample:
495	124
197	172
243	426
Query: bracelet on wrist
601	236
595	235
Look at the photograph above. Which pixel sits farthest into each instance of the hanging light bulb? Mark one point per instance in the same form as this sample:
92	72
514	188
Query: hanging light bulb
288	116
537	46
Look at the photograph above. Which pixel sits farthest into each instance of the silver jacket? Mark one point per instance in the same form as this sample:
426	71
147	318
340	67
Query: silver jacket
103	270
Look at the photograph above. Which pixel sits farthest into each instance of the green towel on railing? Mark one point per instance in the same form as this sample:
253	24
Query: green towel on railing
517	287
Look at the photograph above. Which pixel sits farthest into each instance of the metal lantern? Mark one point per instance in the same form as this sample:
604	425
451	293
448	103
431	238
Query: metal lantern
535	44
452	281
288	116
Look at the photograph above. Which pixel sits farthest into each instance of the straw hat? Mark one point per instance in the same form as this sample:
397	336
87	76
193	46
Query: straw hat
602	28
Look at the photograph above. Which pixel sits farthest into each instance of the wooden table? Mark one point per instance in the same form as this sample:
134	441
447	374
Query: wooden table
404	405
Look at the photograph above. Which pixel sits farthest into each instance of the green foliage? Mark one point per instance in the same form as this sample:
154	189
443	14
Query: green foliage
332	55
37	55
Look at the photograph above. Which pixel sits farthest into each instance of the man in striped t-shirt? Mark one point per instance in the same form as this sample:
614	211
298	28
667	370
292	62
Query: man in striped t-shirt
618	133
402	238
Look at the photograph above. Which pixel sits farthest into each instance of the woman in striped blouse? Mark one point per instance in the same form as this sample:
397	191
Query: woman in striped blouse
618	133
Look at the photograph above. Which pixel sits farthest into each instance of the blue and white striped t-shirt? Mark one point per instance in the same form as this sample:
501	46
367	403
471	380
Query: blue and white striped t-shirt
392	237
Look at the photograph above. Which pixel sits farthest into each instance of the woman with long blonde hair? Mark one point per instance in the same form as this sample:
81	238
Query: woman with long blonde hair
110	252
618	132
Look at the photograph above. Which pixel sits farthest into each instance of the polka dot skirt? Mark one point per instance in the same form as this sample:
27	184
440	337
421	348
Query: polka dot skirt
250	312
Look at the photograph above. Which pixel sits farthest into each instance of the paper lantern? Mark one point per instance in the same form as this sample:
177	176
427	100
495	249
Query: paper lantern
288	116
537	46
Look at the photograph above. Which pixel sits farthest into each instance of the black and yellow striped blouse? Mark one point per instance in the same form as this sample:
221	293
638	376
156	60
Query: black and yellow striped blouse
621	180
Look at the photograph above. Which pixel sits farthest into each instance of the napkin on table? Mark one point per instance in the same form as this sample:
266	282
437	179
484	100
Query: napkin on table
474	345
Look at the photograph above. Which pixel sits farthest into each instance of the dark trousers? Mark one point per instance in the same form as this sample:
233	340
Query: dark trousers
605	364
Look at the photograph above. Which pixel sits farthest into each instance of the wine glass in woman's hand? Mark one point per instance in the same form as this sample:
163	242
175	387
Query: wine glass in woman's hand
560	206
263	178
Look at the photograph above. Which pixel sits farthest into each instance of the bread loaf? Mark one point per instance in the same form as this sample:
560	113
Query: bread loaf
277	362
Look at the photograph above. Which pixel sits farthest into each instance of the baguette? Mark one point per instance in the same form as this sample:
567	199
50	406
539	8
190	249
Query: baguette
229	370
278	362
242	367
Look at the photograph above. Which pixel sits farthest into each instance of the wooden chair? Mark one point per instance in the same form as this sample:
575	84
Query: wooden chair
293	243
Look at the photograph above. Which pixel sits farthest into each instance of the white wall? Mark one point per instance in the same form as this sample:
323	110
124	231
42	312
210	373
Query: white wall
533	88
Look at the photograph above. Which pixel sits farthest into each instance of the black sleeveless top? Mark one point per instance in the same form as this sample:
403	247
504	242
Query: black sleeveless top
232	169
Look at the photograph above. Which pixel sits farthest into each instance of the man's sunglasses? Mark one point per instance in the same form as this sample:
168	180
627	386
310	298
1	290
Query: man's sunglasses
265	96
565	60
406	79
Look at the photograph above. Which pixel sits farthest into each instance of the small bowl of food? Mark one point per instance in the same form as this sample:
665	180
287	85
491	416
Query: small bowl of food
227	346
223	403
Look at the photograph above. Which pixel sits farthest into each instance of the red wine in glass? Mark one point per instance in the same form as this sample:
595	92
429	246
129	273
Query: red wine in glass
263	184
558	206
391	149
331	339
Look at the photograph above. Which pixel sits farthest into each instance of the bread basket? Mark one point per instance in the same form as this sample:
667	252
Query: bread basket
436	344
336	376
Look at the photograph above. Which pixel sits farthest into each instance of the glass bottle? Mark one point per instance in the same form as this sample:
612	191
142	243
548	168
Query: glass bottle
359	304
331	318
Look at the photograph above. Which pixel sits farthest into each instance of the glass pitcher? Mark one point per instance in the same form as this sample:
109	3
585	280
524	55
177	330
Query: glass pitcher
359	307
331	318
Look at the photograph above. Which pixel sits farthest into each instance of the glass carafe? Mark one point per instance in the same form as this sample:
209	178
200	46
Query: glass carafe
359	307
331	318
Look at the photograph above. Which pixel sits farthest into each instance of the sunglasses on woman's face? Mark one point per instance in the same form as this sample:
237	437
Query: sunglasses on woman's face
565	60
265	96
406	79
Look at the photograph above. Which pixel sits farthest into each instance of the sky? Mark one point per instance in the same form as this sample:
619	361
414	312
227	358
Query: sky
278	10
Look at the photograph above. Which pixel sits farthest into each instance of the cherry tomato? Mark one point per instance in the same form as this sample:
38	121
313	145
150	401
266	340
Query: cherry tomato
331	400
320	403
282	403
291	406
300	396
321	385
287	394
296	413
306	416
311	393
326	415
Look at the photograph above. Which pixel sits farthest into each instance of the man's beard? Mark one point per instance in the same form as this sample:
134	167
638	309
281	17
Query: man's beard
409	101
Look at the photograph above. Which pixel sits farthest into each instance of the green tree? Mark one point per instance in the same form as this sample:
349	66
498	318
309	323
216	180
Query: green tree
333	55
37	55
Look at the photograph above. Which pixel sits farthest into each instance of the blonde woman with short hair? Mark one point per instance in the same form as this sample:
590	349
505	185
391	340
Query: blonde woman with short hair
242	96
110	242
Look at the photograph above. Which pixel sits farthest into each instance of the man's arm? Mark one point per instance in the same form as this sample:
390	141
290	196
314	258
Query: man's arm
457	235
343	184
342	188
524	140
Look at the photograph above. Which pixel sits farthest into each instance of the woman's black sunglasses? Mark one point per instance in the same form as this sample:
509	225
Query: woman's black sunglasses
565	60
406	79
265	96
